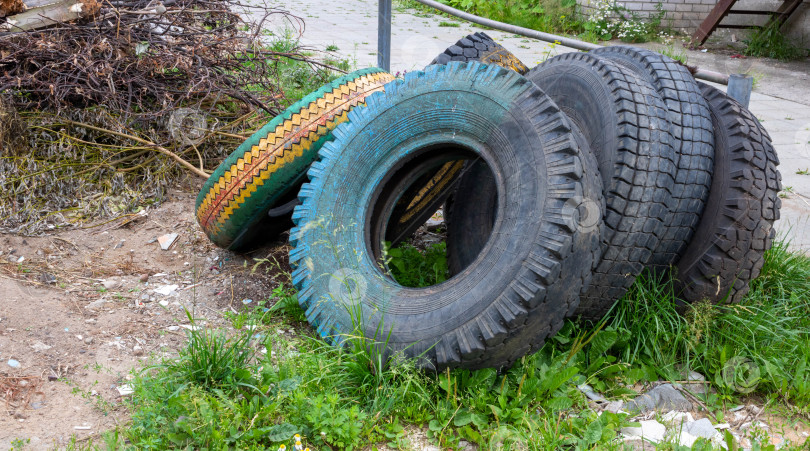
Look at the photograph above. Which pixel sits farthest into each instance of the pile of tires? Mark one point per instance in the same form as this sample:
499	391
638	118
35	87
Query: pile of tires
559	186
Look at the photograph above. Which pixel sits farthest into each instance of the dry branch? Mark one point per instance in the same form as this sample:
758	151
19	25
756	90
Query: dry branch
137	57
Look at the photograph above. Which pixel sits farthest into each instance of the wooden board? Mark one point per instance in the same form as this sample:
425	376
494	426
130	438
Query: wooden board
45	16
9	7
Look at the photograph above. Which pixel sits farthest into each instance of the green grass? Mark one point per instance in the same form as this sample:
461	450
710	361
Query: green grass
677	54
414	268
770	329
770	42
213	361
552	16
299	78
562	17
351	398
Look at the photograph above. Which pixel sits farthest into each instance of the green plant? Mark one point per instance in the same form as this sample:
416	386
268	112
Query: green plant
676	54
770	42
761	336
445	23
411	267
610	20
90	396
554	16
214	361
19	443
298	77
287	303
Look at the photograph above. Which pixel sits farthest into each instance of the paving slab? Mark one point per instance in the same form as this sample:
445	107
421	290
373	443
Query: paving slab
349	29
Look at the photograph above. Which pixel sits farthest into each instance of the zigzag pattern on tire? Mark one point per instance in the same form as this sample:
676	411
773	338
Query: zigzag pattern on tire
637	200
288	141
447	173
743	228
694	142
525	296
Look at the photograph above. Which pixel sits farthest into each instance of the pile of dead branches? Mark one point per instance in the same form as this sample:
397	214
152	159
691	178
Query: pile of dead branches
140	56
106	105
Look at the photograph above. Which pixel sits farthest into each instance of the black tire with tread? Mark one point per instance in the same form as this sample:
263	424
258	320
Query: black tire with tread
470	216
482	48
736	229
626	124
691	127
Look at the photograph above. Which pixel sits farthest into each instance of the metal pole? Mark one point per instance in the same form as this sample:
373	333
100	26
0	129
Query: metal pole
740	87
384	36
547	37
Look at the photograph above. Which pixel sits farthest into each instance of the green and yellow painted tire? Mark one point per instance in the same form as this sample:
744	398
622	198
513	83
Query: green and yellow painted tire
233	204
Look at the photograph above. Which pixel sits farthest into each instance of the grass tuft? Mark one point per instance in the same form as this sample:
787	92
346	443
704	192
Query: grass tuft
770	42
212	361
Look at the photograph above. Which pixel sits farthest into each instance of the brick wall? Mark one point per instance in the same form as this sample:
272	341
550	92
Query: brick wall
686	15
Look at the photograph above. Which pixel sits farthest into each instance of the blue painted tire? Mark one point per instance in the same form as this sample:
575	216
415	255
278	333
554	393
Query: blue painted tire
426	195
517	291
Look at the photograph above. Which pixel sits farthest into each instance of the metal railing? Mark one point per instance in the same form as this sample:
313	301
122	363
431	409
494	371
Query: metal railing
739	86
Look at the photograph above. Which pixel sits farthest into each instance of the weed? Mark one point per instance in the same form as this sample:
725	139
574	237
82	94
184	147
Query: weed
413	268
332	48
550	51
676	54
19	443
803	171
553	16
611	20
766	333
90	396
298	78
770	42
213	361
449	24
287	303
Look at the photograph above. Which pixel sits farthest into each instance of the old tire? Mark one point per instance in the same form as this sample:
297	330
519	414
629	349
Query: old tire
736	229
518	283
691	126
470	215
480	47
625	123
425	196
233	203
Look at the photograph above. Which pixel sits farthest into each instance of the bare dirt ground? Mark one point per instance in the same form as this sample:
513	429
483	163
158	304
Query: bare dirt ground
80	308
